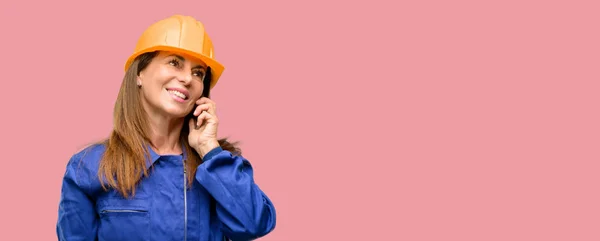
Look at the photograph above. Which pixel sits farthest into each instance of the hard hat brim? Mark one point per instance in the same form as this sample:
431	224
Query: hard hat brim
217	68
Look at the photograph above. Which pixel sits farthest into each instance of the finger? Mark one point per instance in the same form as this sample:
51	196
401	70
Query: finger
205	107
205	100
206	117
202	118
200	108
191	124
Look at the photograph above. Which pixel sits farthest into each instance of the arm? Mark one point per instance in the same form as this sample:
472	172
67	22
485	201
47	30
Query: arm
245	211
76	216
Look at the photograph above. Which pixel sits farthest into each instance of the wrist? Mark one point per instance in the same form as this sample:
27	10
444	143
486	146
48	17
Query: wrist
204	148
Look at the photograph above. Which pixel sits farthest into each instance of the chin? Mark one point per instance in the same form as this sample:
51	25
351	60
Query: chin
176	112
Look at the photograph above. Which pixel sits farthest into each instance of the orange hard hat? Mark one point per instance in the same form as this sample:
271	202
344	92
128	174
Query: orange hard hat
182	34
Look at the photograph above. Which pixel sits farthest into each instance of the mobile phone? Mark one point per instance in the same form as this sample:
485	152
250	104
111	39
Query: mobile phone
207	81
205	91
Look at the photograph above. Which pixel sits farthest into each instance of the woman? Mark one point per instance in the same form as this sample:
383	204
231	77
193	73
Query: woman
163	174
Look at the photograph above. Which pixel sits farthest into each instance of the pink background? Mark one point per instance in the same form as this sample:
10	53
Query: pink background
436	120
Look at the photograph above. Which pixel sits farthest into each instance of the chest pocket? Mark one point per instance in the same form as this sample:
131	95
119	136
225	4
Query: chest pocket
124	219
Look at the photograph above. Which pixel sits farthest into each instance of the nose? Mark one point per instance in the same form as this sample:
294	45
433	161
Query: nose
185	77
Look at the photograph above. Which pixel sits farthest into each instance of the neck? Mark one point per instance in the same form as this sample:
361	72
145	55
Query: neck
165	133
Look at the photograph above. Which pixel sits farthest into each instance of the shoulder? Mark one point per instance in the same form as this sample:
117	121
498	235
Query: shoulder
83	165
89	157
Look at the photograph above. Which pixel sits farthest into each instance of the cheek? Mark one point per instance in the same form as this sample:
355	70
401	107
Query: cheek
152	92
153	87
158	80
197	90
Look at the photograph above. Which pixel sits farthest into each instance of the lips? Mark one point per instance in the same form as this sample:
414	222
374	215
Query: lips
181	93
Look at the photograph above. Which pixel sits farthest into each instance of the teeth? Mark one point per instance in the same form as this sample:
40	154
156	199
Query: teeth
177	93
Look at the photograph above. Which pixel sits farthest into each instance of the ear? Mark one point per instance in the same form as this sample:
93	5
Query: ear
139	81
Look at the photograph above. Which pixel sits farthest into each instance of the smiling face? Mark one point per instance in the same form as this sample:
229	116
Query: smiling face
171	84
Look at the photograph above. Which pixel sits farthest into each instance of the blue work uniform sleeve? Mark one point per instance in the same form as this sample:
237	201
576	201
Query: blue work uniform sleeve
76	216
242	207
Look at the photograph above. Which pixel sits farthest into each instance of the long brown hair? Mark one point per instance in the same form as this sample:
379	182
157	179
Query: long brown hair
123	164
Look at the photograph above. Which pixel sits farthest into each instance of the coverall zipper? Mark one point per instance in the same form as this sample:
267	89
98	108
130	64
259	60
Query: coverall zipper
184	202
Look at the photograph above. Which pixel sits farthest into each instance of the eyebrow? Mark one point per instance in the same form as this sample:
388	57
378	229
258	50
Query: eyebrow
182	59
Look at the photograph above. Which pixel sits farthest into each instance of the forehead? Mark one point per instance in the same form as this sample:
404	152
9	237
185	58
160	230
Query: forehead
182	57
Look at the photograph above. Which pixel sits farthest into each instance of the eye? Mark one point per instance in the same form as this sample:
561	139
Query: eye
199	73
174	62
